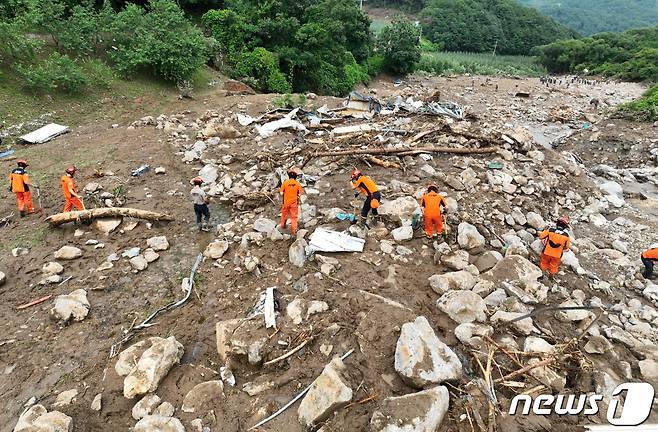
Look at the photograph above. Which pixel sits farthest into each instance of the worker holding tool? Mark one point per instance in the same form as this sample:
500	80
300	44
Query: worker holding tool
649	257
433	205
556	241
200	200
70	193
19	183
290	190
366	186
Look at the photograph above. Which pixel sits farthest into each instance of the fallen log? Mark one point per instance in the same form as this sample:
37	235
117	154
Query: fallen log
105	212
383	163
406	151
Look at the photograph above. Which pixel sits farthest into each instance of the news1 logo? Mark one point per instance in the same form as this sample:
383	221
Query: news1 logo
634	412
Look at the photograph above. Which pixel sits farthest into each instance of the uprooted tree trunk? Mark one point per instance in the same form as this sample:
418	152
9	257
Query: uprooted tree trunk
409	151
106	212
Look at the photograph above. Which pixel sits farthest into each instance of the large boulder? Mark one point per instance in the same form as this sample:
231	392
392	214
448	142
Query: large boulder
264	225
158	423
153	365
216	249
241	340
73	306
416	412
513	268
461	280
403	233
297	252
52	268
469	237
400	210
38	419
488	260
421	359
328	392
209	173
455	260
463	306
535	220
107	225
68	253
145	406
158	243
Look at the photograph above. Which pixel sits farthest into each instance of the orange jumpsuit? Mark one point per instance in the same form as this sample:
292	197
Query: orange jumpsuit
556	241
71	200
291	190
20	184
367	186
431	203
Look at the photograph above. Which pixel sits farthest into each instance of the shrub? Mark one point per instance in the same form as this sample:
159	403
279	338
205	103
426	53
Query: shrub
375	65
399	42
645	108
57	72
263	68
160	39
289	101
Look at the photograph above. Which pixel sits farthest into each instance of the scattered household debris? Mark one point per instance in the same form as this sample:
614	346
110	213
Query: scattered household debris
324	240
44	134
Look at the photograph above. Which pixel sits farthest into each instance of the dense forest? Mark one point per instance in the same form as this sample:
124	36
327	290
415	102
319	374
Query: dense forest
324	46
596	16
487	25
631	55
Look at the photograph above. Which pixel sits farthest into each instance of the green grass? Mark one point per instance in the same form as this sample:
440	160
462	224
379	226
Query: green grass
29	239
447	63
645	108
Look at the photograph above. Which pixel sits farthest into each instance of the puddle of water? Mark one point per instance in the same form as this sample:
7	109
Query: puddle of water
547	136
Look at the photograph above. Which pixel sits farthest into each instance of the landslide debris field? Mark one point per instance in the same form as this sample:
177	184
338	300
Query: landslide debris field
429	323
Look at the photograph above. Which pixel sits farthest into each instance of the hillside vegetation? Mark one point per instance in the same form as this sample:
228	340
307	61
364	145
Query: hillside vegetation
631	55
596	16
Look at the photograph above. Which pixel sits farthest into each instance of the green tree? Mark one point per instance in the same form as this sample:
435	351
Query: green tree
399	42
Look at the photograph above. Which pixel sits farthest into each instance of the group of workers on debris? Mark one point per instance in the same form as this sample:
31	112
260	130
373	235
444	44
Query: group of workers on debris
21	185
556	240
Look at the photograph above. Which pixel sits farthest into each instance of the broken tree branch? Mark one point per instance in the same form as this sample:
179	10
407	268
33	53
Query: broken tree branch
106	212
383	163
35	302
289	353
526	369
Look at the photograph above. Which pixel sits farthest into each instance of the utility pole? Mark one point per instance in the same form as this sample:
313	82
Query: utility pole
495	47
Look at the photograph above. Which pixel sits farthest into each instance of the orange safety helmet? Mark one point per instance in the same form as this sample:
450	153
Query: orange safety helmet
433	187
563	221
71	170
197	180
356	174
22	163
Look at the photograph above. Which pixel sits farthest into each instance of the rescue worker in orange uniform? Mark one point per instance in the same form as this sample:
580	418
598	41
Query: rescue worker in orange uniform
366	186
19	183
649	257
433	204
70	193
290	190
556	241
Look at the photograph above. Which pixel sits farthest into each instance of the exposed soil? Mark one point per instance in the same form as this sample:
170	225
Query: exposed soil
39	358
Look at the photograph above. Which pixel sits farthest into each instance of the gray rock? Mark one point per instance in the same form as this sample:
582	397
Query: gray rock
139	263
153	366
145	406
597	345
535	220
155	423
399	210
150	255
457	260
524	326
416	412
649	369
65	398
488	260
472	334
128	253
52	268
68	253
216	249
97	402
158	243
107	226
328	393
463	306
203	397
513	268
297	253
165	409
295	311
421	359
469	237
534	344
71	306
264	226
3	278
461	280
403	233
209	173
38	419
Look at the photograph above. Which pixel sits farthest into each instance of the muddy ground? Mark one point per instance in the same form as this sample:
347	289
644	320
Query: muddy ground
40	358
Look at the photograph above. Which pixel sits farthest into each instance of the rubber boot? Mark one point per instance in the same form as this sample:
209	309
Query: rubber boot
23	213
199	226
363	222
